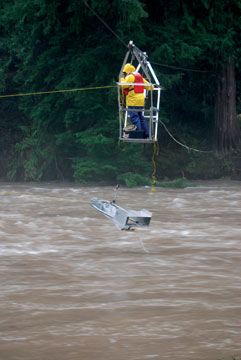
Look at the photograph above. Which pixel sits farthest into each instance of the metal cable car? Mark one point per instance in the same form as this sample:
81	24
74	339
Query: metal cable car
152	98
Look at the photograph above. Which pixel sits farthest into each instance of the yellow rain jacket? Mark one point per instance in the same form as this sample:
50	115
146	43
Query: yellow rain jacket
132	98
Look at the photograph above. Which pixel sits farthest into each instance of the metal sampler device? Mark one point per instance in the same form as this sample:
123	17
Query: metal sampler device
152	97
123	219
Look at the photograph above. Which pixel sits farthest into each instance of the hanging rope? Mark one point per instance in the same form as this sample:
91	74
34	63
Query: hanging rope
119	145
154	154
179	143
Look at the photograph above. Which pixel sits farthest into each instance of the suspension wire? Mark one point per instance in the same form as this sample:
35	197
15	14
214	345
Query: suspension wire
117	36
179	143
103	22
180	68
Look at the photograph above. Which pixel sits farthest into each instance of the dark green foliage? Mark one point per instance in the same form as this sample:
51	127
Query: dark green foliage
34	156
55	45
102	159
180	183
131	180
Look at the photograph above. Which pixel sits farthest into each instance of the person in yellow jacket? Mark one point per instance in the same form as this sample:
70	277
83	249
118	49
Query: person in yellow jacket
135	96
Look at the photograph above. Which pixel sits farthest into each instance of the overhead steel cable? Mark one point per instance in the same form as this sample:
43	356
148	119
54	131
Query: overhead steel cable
104	23
117	36
180	68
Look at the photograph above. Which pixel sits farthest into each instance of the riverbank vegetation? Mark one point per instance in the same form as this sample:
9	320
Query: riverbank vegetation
62	45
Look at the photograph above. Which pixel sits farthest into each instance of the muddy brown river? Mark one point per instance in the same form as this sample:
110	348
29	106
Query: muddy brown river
74	287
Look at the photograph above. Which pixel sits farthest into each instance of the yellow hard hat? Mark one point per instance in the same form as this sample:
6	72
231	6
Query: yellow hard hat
128	68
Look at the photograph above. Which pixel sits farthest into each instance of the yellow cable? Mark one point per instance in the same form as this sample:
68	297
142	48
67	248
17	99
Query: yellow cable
155	153
58	91
121	148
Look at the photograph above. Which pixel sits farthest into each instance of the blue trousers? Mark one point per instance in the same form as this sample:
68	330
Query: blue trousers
138	119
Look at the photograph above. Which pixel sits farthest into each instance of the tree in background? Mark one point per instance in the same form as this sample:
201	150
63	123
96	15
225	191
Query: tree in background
202	34
216	24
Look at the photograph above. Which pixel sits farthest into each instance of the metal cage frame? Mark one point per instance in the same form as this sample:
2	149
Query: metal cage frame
151	114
